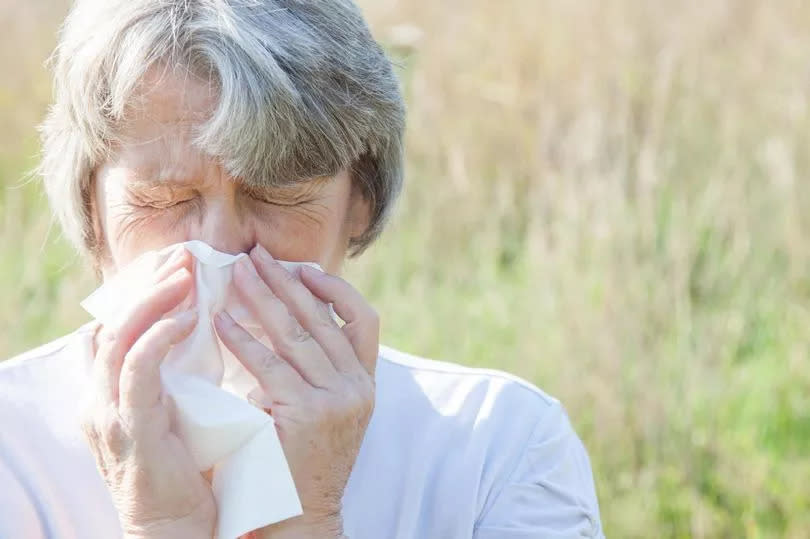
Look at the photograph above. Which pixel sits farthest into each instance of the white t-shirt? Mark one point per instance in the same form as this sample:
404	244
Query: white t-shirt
451	453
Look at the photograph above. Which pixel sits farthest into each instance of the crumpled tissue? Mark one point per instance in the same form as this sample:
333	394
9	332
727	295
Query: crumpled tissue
251	482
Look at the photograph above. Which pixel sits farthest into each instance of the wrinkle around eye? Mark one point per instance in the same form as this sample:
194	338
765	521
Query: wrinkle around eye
133	217
261	199
160	205
313	215
286	195
163	195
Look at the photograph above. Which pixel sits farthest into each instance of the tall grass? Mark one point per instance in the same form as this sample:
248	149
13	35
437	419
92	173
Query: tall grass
607	198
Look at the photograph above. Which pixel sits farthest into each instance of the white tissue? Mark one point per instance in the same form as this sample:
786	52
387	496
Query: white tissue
252	482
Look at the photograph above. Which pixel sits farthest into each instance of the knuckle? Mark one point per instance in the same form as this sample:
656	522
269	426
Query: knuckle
295	333
323	316
284	347
268	361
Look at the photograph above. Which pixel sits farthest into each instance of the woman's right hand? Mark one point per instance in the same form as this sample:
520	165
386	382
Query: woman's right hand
154	482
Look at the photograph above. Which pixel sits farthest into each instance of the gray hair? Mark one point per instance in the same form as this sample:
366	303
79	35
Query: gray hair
303	88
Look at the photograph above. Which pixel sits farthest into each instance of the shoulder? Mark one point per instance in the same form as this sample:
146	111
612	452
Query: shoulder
45	379
529	453
456	389
32	358
488	407
498	413
434	373
10	366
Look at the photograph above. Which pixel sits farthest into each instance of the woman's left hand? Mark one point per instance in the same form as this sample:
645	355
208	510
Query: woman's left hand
319	380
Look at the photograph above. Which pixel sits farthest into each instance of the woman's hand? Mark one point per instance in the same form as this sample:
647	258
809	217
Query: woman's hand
318	382
154	483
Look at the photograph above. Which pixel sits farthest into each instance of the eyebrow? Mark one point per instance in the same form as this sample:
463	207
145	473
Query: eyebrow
150	184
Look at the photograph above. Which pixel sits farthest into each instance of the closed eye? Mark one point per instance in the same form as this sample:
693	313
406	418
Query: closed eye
163	205
169	204
280	197
265	200
161	196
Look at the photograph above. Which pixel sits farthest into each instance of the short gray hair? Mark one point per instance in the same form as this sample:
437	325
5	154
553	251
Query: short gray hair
304	91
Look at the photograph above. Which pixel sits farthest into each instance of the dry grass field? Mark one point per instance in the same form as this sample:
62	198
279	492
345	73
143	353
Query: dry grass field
608	198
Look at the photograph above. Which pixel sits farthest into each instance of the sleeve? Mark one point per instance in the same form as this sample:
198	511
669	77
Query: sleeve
550	493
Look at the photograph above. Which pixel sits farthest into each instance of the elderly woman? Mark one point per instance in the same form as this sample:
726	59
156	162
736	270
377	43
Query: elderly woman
274	128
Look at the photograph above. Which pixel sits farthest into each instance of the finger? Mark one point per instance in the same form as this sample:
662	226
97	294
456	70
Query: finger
140	374
279	380
362	327
116	341
290	340
105	373
313	314
178	258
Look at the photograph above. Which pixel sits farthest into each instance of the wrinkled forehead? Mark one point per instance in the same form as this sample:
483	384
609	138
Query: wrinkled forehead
168	157
170	101
167	109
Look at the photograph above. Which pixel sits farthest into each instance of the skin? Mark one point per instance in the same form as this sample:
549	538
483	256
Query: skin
156	189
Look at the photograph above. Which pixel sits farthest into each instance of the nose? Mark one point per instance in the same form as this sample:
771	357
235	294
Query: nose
221	225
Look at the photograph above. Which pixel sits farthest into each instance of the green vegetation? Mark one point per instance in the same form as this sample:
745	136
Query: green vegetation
609	199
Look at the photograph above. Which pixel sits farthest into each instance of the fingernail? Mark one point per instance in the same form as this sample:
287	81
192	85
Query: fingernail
245	266
312	271
175	256
263	254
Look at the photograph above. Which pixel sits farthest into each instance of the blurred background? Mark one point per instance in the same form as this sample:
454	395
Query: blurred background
608	198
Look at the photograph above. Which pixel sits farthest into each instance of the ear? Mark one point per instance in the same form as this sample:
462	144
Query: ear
359	213
362	206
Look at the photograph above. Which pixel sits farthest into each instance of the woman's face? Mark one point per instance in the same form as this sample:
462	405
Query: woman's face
157	189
